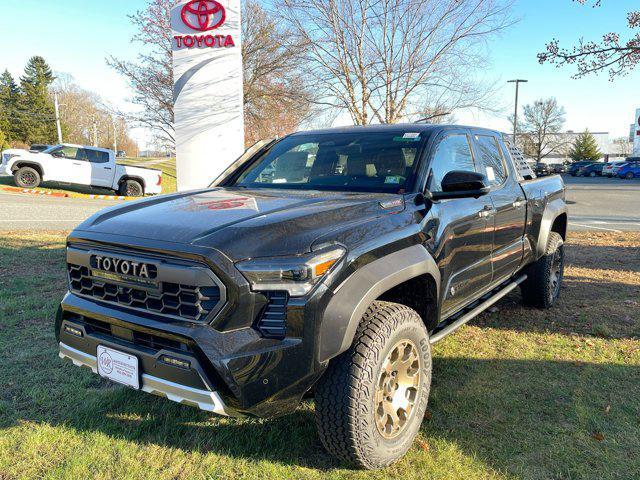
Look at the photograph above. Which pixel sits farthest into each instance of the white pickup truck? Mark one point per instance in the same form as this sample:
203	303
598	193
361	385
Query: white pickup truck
79	165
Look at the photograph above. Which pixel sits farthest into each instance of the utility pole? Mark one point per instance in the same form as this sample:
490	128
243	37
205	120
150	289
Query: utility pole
115	135
57	111
95	133
515	116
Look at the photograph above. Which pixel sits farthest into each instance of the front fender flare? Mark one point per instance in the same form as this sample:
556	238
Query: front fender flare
352	298
552	211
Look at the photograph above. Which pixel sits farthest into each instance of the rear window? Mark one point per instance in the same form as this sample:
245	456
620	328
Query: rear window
376	162
95	156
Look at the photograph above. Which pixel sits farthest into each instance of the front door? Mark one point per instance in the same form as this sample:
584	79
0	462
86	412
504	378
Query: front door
509	205
70	166
464	226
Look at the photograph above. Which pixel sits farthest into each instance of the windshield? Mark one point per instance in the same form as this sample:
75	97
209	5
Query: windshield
368	162
52	149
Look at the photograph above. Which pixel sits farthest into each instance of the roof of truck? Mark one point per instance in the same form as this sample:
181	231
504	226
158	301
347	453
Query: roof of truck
395	127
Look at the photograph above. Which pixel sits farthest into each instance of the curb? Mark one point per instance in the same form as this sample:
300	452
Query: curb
47	193
35	192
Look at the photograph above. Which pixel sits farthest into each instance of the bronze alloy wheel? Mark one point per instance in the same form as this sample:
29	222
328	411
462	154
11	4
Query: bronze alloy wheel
397	389
555	275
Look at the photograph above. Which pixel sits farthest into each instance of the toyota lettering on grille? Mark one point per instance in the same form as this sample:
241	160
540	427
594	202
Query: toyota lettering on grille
123	269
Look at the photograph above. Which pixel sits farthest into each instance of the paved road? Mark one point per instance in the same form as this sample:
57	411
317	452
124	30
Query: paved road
20	211
603	204
596	204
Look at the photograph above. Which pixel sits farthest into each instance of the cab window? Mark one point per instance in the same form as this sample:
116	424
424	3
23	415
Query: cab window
491	162
452	153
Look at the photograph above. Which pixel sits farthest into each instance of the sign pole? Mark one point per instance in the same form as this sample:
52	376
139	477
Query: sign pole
207	94
636	138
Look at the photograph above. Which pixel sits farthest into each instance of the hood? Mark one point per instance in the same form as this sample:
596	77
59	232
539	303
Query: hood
242	223
24	154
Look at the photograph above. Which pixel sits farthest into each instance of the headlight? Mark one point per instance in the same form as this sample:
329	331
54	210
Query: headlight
296	275
8	156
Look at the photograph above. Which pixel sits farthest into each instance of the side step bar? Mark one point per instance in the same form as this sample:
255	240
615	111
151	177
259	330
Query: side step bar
451	327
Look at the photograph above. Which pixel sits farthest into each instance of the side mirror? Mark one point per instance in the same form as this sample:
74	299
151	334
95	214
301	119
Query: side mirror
463	184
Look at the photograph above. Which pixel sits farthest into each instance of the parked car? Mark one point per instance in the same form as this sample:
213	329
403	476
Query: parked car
121	154
576	166
543	169
81	165
629	170
39	147
242	298
610	168
558	168
591	170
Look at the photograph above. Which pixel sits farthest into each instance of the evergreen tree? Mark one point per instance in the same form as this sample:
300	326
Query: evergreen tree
3	141
36	111
585	148
9	95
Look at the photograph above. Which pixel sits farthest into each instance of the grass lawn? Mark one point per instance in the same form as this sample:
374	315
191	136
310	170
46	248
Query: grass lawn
166	165
517	394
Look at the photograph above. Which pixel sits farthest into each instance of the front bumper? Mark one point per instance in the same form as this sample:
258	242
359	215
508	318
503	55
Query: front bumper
203	399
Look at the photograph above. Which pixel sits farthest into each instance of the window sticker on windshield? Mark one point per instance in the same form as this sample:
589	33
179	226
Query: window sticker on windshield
393	179
491	174
408	137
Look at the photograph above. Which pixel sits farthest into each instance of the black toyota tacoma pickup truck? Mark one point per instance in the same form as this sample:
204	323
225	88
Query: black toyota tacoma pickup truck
325	263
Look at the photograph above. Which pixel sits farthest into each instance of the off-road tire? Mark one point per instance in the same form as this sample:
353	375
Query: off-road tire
131	188
345	407
27	177
539	289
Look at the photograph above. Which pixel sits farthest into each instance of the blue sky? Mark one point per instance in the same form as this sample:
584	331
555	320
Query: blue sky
76	36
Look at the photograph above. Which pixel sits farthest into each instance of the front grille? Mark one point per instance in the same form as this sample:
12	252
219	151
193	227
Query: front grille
141	339
273	321
169	299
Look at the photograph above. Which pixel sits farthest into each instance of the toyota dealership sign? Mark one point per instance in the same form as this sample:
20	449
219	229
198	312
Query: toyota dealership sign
203	16
208	100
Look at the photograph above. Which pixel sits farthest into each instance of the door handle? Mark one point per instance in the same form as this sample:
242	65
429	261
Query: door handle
107	168
487	211
519	202
76	163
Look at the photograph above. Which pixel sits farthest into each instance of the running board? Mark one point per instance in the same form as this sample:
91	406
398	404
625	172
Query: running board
440	334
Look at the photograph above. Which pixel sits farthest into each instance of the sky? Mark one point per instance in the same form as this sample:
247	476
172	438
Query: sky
76	36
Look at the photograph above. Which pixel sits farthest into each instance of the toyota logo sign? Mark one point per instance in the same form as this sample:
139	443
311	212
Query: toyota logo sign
203	15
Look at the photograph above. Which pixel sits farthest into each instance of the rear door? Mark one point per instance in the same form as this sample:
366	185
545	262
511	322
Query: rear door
102	169
464	252
509	204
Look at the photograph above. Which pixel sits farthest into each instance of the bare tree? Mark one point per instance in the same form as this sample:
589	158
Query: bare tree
276	99
612	53
151	76
86	119
540	133
381	59
622	147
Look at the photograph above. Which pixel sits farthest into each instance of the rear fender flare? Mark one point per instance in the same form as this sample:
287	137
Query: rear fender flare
352	298
552	211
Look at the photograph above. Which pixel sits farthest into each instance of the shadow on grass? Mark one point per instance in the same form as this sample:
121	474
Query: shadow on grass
515	416
614	257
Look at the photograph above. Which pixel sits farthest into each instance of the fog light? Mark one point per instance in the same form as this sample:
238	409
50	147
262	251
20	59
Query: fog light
176	362
73	330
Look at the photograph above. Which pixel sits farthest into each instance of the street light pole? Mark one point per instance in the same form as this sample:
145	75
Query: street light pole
515	116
